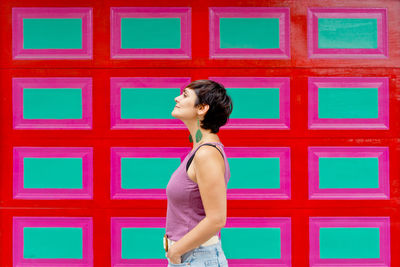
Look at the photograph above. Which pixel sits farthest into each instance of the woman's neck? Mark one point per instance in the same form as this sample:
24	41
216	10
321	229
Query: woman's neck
210	139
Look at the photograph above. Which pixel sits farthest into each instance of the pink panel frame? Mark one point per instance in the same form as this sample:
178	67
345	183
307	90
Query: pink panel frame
283	13
380	123
117	192
116	248
283	83
284	192
284	223
19	192
86	223
363	13
85	84
382	192
116	83
383	223
84	13
184	13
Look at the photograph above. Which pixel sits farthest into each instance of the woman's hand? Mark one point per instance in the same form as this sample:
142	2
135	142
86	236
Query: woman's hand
172	256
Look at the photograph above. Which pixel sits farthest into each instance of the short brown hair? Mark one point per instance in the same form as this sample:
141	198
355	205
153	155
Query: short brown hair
213	94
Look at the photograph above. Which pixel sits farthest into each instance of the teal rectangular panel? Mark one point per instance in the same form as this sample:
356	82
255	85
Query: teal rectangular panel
255	103
65	173
347	103
147	173
160	33
49	33
346	33
141	243
53	242
255	33
148	103
52	103
252	173
261	243
349	243
348	172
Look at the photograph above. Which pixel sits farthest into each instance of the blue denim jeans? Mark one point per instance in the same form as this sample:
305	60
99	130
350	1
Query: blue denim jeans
203	256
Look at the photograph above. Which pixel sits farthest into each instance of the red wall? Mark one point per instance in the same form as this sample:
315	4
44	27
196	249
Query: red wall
299	67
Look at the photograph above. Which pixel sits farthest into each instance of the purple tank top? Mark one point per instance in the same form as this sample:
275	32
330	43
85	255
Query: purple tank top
185	208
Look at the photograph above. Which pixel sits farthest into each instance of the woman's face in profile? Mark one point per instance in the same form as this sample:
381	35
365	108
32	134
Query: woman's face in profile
184	107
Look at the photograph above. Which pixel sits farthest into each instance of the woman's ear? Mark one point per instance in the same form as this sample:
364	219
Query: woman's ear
203	109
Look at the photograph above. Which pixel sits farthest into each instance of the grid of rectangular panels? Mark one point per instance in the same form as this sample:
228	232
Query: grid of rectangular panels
53	173
55	241
136	241
125	230
310	122
350	241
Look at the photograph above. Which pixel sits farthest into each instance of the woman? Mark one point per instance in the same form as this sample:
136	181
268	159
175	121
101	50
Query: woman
196	192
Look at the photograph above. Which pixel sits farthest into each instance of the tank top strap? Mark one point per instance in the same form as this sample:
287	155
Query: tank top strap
194	152
208	143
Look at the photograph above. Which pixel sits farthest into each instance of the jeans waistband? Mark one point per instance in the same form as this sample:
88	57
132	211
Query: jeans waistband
168	242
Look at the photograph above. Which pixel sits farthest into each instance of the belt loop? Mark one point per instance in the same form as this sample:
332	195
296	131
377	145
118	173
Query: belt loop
166	242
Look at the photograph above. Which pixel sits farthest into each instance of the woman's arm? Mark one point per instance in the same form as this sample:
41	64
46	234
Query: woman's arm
209	166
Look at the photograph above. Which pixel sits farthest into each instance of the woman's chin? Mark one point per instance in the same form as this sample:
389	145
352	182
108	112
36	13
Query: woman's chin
174	115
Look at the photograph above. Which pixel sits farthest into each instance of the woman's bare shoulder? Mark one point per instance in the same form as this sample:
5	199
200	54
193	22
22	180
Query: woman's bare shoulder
206	153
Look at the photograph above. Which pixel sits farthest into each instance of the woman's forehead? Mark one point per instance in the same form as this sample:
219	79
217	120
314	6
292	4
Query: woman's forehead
188	90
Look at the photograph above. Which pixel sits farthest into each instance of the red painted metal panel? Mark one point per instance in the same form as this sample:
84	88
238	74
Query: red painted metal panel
299	67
